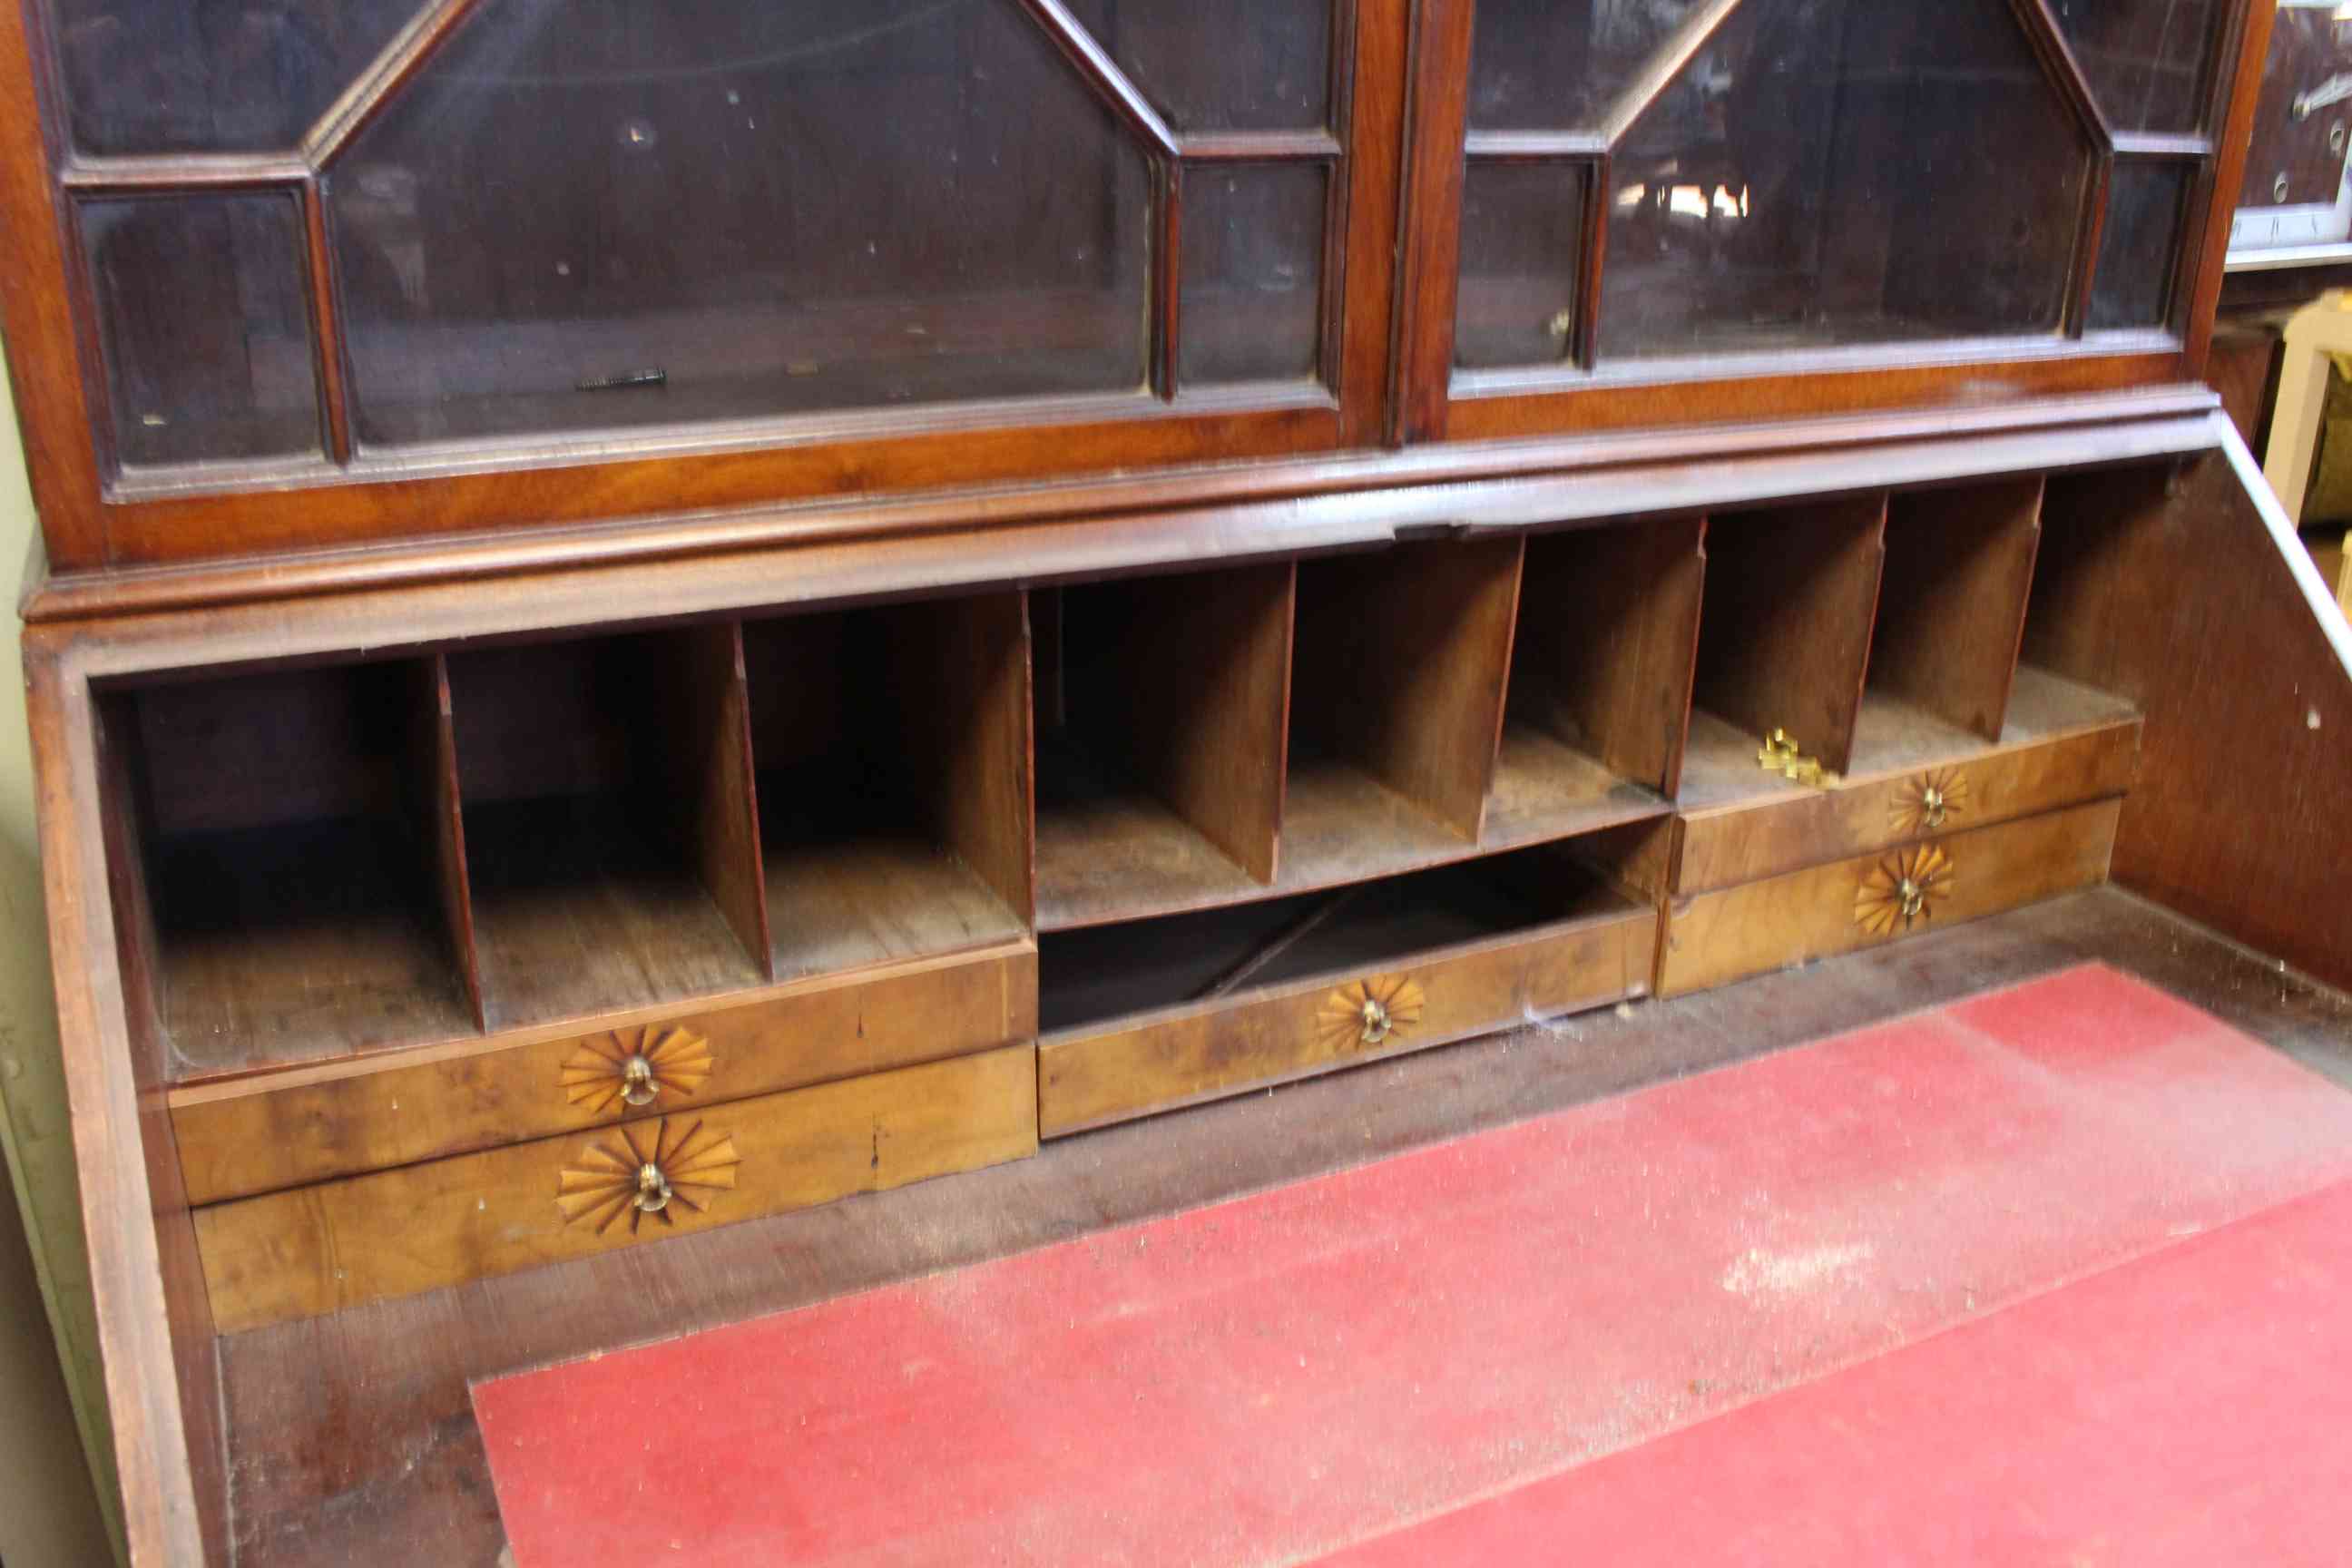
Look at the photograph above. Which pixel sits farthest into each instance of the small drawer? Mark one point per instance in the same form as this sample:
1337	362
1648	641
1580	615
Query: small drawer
262	1134
1866	899
1182	1055
1725	846
318	1249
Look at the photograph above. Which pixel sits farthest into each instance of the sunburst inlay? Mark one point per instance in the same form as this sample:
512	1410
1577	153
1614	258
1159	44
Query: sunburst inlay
629	1069
638	1170
1903	889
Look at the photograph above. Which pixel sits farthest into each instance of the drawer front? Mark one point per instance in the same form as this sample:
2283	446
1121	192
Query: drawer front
1178	1058
289	1130
320	1249
1870	898
1724	848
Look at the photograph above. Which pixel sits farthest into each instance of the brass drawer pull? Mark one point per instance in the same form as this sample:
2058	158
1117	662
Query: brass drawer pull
1368	1012
630	1173
1903	889
618	1073
1933	799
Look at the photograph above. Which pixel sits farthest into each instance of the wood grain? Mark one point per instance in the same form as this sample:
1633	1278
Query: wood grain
434	746
1201	731
317	1249
275	1131
708	753
1087	1078
1723	846
1805	915
2189	593
1608	644
1784	639
1951	604
1400	665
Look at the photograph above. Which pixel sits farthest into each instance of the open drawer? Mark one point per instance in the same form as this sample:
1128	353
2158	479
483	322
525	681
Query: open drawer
1152	1015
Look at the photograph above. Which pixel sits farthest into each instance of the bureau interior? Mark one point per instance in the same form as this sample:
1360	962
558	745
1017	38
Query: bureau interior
608	856
284	891
891	747
1087	977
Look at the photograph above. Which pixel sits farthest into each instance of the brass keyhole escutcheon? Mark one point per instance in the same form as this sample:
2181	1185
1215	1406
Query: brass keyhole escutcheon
1932	806
639	1085
1377	1022
653	1189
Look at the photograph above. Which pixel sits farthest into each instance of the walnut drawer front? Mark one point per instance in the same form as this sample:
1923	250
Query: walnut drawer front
240	1138
1866	899
1182	1055
1727	846
321	1248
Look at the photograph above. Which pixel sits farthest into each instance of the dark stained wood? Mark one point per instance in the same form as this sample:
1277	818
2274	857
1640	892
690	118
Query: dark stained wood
2190	596
2243	367
1365	316
1103	74
1608	639
161	1358
1431	241
1231	500
1784	638
2237	92
963	668
57	409
1951	603
379	1442
326	325
1399	669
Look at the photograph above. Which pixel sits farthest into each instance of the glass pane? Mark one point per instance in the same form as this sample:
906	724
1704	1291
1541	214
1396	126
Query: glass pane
1559	65
2146	58
1221	65
1522	236
1844	170
2139	244
197	76
601	213
1252	307
206	326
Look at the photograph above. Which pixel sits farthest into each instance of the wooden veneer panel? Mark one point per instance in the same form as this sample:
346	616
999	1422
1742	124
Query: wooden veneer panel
320	1249
1784	639
1812	913
283	1129
1608	644
1399	669
1952	602
1090	1075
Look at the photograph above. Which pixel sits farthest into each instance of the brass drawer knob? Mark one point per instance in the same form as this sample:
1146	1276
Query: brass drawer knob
1368	1012
631	1069
1928	802
1903	889
634	1171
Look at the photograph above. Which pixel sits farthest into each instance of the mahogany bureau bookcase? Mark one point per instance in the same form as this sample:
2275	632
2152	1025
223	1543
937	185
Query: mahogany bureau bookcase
658	614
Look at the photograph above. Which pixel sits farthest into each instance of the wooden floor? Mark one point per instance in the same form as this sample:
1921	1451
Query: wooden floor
354	1430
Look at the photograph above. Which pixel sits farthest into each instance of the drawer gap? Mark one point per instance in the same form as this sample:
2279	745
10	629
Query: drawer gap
1088	977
